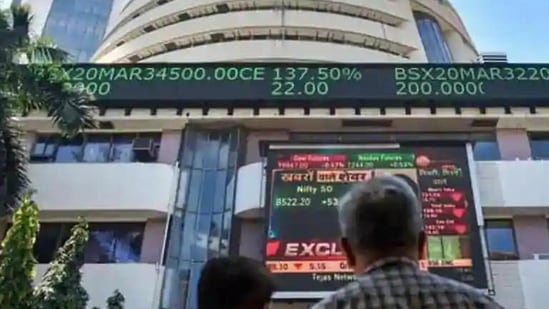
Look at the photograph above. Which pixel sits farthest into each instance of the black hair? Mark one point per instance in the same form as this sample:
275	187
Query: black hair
381	214
410	182
234	283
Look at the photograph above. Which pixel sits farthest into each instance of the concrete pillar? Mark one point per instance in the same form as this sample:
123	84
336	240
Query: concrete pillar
169	146
513	144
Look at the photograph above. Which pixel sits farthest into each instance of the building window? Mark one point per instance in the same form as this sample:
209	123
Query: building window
93	148
432	37
114	243
500	237
486	151
108	242
539	146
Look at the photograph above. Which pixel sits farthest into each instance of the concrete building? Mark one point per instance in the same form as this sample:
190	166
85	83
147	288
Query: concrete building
345	31
166	188
77	27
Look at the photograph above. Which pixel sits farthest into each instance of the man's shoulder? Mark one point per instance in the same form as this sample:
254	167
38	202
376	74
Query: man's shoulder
367	287
460	291
353	290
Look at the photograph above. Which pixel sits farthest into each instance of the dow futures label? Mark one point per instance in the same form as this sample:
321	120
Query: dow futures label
302	250
182	84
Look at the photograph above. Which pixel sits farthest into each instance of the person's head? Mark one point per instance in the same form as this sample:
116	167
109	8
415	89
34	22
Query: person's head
380	218
234	283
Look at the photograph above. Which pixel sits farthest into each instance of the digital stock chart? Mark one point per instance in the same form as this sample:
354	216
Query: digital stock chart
302	249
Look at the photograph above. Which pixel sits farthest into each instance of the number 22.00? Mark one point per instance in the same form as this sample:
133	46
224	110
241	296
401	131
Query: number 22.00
283	88
309	88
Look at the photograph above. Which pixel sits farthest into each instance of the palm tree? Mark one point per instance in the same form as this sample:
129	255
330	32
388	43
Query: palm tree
31	78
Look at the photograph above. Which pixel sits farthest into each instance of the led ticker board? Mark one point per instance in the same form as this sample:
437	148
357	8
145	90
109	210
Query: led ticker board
305	185
259	84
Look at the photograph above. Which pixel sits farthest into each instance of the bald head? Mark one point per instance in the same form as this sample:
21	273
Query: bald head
382	215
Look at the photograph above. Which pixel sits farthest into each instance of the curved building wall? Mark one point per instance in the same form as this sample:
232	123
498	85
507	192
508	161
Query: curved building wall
282	30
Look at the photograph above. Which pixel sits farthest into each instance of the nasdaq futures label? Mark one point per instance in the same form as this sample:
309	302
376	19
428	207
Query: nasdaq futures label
313	82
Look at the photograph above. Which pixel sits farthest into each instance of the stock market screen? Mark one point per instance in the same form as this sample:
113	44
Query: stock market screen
305	186
185	84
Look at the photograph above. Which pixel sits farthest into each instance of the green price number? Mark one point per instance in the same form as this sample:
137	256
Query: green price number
290	88
330	202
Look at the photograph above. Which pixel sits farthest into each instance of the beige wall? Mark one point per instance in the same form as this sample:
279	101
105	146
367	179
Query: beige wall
513	144
252	238
153	241
394	23
169	146
131	187
252	146
29	138
532	235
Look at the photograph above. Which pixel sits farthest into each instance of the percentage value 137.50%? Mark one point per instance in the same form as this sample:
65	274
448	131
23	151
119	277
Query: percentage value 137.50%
319	74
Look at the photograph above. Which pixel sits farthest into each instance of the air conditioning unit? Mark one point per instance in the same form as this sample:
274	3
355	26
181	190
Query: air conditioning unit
144	149
541	256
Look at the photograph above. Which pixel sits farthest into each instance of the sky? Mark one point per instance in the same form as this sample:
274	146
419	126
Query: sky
519	28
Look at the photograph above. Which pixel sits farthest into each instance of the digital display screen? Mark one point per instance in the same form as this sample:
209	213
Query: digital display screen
222	84
305	185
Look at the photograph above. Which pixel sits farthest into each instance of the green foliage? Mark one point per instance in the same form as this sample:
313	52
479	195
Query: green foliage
17	263
60	287
116	301
41	85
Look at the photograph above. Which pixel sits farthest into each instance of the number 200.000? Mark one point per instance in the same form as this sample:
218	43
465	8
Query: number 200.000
308	88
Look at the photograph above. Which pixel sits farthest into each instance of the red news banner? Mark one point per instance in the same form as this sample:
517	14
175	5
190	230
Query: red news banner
322	257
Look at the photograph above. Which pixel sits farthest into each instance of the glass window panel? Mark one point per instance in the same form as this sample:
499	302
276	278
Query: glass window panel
97	148
233	150
229	193
67	21
50	148
215	234
486	151
193	284
220	186
194	192
200	150
69	150
39	149
47	241
540	149
433	39
224	155
208	192
114	243
182	189
501	240
122	148
188	149
189	235
174	239
226	233
43	149
211	153
200	250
